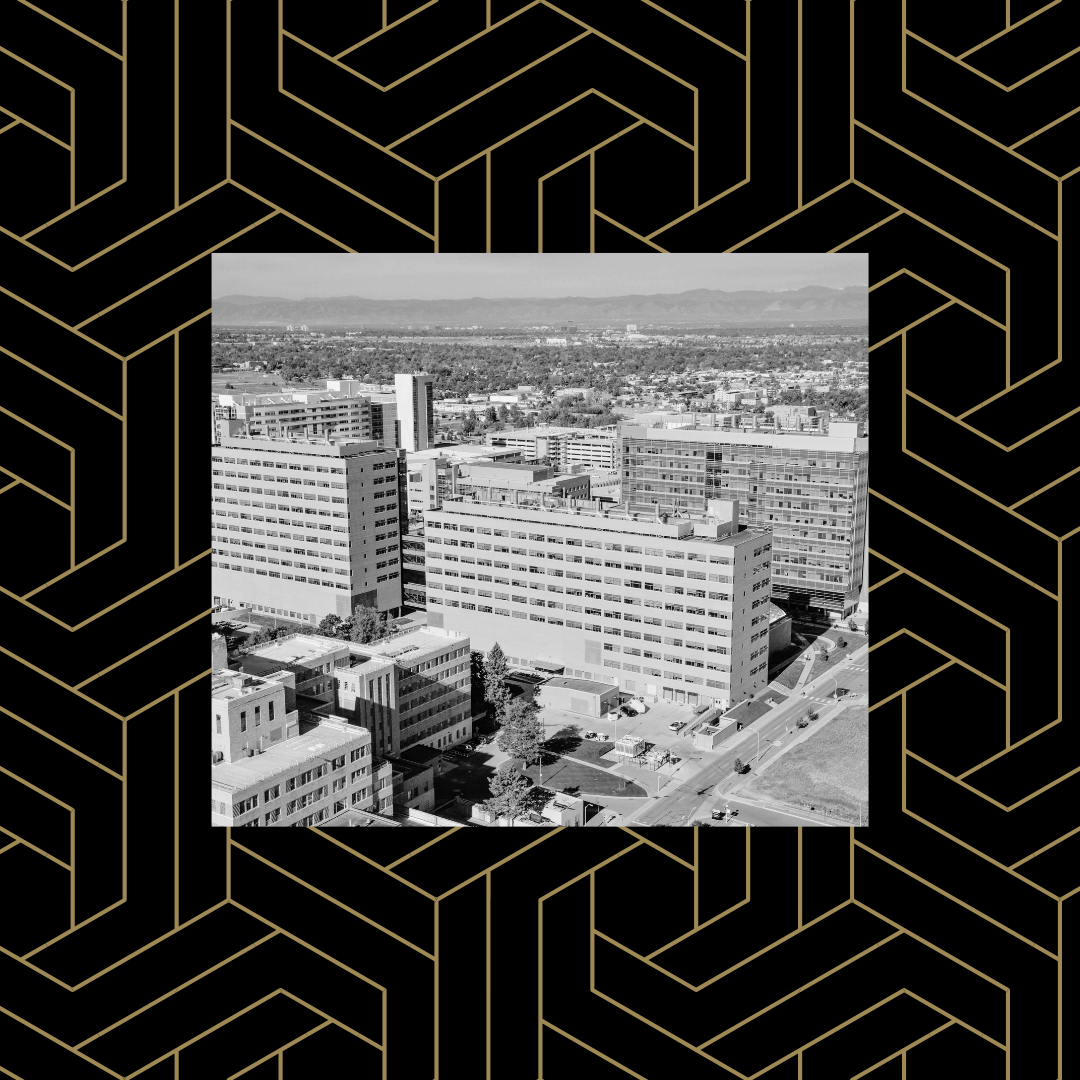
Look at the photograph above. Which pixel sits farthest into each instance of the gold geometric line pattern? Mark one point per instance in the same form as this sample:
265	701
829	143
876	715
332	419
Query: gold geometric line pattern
962	543
1008	26
956	180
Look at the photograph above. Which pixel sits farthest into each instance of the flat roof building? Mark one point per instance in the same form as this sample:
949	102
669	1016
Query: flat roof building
415	410
339	410
562	446
810	492
270	768
410	689
306	528
655	605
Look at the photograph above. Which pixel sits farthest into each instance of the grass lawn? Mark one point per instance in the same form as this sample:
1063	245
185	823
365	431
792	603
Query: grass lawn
830	770
568	740
574	778
246	382
823	663
749	711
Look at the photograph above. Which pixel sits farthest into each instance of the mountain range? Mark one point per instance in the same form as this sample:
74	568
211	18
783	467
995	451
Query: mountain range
815	303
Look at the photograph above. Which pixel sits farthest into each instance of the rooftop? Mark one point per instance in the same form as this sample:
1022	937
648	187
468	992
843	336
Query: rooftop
308	649
803	440
359	818
333	446
227	684
320	743
584	685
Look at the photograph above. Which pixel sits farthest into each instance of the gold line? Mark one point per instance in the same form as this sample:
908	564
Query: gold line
385	27
32	487
644	119
176	811
700	206
1044	848
123	93
71	156
436	225
930	225
652	844
435	980
176	103
291	216
33	127
174	270
1045	127
1045	487
627	229
8	847
800	828
540	986
7	127
885	580
228	91
955	299
799	108
955	899
963	544
1010	386
696	872
33	847
33	67
384	14
72	30
851	90
327	176
1060	966
52	1038
422	847
690	26
791	214
592	149
176	448
983	495
956	60
540	216
487	935
338	903
697	147
60	382
592	204
77	206
514	134
982	135
488	202
115	603
592	1049
337	1023
746	128
618	44
279	1053
8	487
956	180
860	235
123	807
902	1053
489	27
71	516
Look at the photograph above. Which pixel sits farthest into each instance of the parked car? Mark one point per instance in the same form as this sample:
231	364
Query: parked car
591	735
718	815
675	725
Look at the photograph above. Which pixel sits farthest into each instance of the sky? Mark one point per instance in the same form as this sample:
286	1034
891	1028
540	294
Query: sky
452	276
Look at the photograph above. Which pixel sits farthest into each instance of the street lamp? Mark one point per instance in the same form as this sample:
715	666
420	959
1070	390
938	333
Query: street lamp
836	687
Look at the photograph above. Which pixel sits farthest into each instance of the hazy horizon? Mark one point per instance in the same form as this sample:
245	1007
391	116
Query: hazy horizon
450	276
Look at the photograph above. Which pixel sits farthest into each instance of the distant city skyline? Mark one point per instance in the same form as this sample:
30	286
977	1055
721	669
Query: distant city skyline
456	276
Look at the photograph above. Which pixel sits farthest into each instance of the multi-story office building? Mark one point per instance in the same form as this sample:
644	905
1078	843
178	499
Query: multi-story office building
415	410
433	473
809	491
268	768
339	410
501	481
666	607
306	528
563	447
406	690
413	573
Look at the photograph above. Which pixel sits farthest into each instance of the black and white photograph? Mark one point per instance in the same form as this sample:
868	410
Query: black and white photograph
539	540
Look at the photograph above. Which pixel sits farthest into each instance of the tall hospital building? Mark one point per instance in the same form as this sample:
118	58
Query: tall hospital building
808	491
674	609
415	411
305	528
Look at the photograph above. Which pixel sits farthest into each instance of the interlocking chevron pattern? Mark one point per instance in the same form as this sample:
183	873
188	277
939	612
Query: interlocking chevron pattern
138	138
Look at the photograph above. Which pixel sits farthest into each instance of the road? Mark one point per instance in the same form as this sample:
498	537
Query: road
696	796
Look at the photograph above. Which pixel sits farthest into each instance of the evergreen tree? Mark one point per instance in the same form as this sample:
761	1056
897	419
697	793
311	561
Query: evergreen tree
522	733
369	625
509	792
496	691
